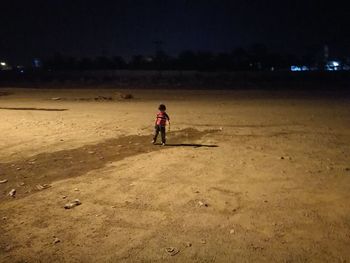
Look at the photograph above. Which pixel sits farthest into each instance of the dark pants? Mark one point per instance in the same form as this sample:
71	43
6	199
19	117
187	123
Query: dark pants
158	129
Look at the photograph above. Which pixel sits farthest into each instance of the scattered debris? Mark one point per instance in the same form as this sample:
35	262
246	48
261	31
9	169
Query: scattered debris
99	98
42	186
72	204
12	193
172	251
3	181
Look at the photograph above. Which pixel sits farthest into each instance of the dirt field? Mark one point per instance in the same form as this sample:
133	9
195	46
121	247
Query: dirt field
248	176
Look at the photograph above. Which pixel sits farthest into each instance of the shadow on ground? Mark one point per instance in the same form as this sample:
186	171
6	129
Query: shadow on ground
27	175
195	145
39	109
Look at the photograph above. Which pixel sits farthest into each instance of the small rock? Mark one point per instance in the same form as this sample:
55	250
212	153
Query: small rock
126	96
8	248
64	197
56	240
4	218
232	231
12	193
203	241
42	186
56	98
3	181
72	204
200	203
172	251
282	158
188	244
76	189
18	168
22	184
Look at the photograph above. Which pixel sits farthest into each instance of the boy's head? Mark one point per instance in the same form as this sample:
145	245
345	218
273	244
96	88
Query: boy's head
162	107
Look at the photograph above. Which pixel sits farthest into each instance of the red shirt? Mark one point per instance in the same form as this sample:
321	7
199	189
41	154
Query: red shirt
162	117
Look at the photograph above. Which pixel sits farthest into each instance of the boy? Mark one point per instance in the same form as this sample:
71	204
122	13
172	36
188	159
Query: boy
160	124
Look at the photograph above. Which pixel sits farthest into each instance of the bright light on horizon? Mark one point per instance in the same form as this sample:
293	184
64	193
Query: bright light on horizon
2	63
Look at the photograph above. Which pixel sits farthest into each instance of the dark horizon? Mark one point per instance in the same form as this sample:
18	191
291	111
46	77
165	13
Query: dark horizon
126	28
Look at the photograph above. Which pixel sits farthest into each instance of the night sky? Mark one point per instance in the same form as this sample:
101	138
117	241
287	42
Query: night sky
92	28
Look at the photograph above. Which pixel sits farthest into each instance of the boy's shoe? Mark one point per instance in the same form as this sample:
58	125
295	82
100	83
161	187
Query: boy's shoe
163	143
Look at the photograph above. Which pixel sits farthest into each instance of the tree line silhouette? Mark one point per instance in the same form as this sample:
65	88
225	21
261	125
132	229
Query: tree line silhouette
256	58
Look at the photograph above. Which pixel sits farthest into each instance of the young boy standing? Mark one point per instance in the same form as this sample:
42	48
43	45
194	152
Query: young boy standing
161	119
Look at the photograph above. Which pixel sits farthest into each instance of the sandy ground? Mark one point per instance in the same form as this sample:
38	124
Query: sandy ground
248	176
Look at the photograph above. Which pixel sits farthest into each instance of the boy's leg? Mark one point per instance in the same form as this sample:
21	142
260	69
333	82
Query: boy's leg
156	132
162	131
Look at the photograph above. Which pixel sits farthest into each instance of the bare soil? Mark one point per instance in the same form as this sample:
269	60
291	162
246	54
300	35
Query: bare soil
247	176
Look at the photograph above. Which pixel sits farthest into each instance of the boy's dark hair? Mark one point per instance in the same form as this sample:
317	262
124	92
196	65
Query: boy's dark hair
162	107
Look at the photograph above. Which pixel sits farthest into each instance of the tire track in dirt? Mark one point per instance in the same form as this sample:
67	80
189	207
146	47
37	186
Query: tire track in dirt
33	174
